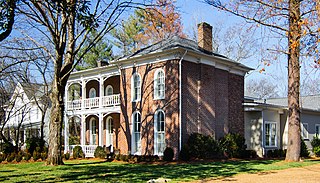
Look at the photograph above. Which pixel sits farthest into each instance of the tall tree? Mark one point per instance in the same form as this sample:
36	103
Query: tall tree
149	25
297	21
66	24
100	52
7	15
159	22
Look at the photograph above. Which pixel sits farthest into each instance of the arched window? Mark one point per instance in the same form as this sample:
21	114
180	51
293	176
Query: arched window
109	90
93	131
136	133
159	84
136	87
159	132
92	93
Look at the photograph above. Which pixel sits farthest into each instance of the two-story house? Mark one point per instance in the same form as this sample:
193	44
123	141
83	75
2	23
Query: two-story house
156	97
25	113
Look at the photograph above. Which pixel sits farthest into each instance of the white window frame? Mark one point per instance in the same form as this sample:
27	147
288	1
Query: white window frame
136	143
91	128
107	89
156	83
304	130
315	130
135	97
270	136
92	90
156	132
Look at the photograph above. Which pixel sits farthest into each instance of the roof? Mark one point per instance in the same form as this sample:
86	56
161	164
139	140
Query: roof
311	102
178	42
34	90
307	102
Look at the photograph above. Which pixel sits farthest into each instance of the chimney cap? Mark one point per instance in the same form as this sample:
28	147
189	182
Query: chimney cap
204	24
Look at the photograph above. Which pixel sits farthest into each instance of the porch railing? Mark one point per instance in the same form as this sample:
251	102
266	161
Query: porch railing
111	100
106	101
87	149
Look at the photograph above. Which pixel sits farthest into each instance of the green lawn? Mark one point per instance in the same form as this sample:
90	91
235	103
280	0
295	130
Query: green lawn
99	171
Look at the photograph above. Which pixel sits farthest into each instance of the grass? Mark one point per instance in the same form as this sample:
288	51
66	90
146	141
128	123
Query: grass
100	171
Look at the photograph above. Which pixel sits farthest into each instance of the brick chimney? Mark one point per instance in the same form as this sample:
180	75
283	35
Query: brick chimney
205	36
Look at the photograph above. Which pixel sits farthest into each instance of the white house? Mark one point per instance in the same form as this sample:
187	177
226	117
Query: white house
23	113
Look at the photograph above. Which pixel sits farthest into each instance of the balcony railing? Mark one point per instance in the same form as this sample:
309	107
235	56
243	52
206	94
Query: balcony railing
106	101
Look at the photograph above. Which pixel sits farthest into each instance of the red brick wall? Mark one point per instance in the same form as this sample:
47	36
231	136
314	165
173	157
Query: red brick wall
148	106
211	101
236	97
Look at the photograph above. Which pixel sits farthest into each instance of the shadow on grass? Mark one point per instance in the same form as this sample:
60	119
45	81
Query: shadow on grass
116	172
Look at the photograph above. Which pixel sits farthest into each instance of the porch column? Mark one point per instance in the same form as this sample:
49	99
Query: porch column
83	94
101	91
83	129
66	133
100	128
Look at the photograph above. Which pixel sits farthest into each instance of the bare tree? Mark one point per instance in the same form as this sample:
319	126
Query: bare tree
261	89
65	25
296	22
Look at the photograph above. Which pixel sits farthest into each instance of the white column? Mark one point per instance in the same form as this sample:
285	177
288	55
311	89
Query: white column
83	96
66	133
101	92
83	130
100	128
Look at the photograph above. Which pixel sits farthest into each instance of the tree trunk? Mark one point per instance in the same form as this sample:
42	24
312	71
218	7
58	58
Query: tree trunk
55	127
293	151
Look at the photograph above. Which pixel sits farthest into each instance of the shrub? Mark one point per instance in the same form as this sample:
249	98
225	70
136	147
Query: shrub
233	145
27	156
100	153
67	156
168	154
303	149
123	157
7	148
78	153
315	142
248	154
34	142
276	153
201	146
2	157
36	155
184	154
19	156
316	151
11	157
44	155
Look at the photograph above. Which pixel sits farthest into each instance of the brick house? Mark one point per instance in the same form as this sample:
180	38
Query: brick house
155	98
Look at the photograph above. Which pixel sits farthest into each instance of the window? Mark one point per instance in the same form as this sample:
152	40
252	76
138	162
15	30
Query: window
108	91
270	134
159	84
136	125
304	130
93	132
92	93
136	87
159	132
317	132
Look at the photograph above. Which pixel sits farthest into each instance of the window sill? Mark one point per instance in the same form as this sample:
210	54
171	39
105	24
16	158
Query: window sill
159	98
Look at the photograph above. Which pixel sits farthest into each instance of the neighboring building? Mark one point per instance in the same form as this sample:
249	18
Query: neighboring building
155	98
22	114
266	122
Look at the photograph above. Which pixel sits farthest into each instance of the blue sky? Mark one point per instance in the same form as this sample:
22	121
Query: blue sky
194	11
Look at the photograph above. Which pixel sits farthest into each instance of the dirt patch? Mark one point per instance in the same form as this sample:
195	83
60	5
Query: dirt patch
307	174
